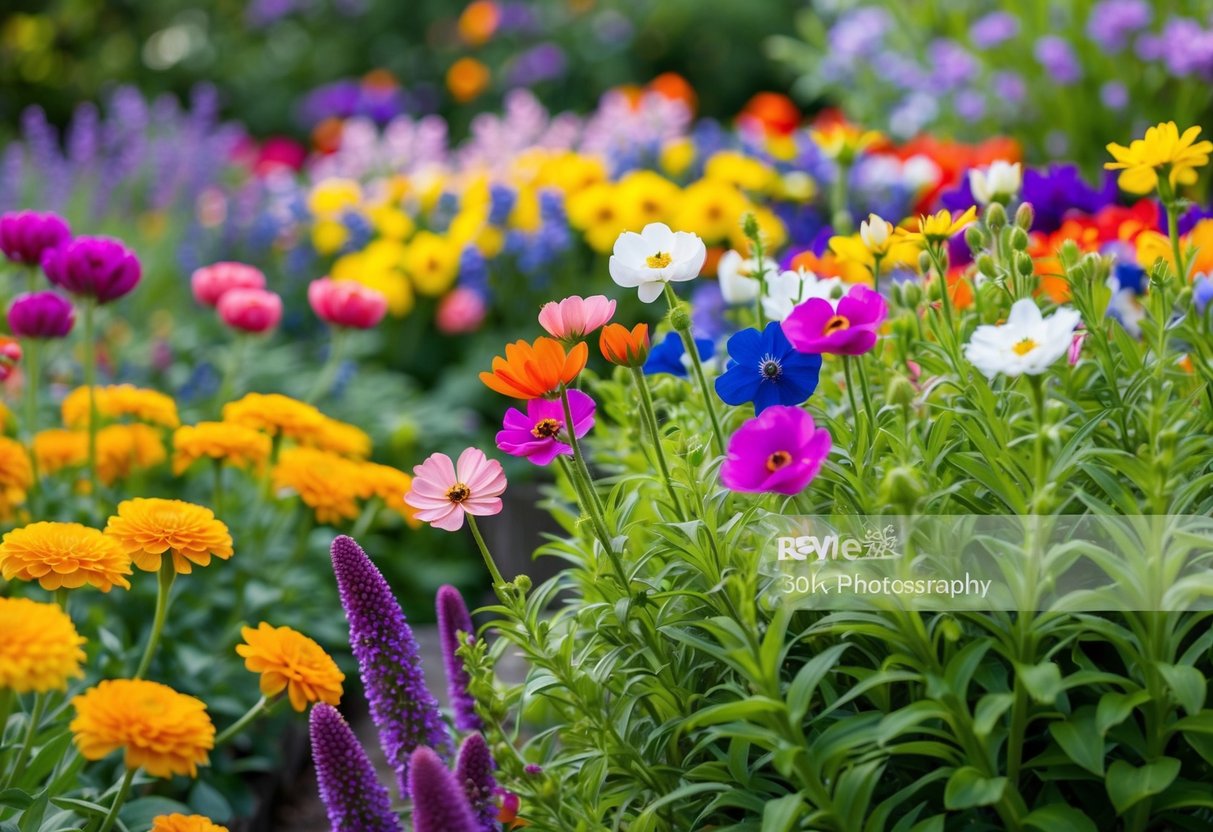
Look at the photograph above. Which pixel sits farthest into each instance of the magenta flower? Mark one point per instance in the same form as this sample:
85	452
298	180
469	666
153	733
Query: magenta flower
250	310
346	303
443	492
537	433
100	268
780	451
210	283
26	235
815	326
453	619
575	317
439	804
41	315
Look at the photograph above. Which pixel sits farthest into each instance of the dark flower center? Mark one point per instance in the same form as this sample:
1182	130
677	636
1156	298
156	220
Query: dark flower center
835	324
778	460
458	492
770	367
545	429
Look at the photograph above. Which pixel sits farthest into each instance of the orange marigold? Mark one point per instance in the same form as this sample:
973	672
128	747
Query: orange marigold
237	445
124	449
148	527
63	555
185	823
160	730
40	650
389	485
328	484
288	660
118	401
533	371
276	415
57	449
341	438
16	475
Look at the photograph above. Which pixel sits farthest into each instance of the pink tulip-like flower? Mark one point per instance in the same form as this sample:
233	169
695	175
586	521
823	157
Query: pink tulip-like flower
462	310
781	451
575	317
26	235
210	283
815	326
540	434
443	492
346	303
250	310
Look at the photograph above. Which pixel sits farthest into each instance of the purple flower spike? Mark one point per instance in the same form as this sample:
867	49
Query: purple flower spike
355	800
454	618
438	802
402	708
41	315
474	772
101	268
26	235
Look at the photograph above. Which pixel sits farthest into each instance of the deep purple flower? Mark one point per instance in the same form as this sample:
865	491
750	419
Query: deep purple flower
780	451
1058	189
41	315
815	326
439	804
1055	54
26	235
474	772
403	709
100	268
993	29
540	433
354	798
1111	22
453	619
766	370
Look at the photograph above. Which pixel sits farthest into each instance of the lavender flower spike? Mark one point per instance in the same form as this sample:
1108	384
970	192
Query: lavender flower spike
474	772
402	708
438	802
454	618
355	800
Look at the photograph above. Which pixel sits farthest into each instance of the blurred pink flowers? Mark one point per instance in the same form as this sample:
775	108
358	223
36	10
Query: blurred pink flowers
462	310
100	268
575	317
443	492
250	310
210	283
10	356
781	451
346	303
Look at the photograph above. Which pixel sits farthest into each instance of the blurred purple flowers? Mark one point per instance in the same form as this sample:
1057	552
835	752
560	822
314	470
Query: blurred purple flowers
41	315
26	235
100	268
453	619
353	797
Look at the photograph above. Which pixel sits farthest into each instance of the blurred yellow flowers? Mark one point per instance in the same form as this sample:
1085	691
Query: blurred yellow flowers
41	649
232	444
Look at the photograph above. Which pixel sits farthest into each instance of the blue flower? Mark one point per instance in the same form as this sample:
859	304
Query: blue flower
1202	293
765	369
666	357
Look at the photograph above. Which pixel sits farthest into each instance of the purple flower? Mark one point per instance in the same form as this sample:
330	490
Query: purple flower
1112	21
41	315
1202	293
781	451
354	798
100	268
1008	87
993	29
453	619
1057	57
439	804
474	772
1058	189
402	707
537	433
1185	47
815	326
1114	95
951	64
26	235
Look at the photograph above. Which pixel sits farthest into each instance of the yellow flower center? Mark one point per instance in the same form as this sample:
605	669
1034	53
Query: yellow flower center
1024	347
778	460
545	429
835	324
458	492
659	260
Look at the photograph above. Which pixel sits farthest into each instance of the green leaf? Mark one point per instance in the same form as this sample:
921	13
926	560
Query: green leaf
1059	818
1187	683
782	815
1128	785
15	798
1114	708
1079	738
989	708
968	787
84	807
1043	681
800	692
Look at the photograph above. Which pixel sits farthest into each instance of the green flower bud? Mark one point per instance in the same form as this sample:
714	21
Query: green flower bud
996	216
924	262
951	629
749	224
900	391
985	265
1019	239
1024	264
911	293
975	238
680	318
1025	215
902	488
523	583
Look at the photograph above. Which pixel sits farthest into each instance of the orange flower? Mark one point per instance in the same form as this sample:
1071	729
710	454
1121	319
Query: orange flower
466	79
63	555
185	823
147	528
531	372
288	660
478	22
628	348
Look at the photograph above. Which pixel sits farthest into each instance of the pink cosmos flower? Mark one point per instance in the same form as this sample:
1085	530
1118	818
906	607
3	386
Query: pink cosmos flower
443	491
462	310
1075	352
537	434
575	317
210	283
781	451
346	303
250	310
815	326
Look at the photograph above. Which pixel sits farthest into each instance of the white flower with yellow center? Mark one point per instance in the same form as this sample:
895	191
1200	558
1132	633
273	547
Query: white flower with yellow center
787	290
739	276
1027	343
999	182
657	255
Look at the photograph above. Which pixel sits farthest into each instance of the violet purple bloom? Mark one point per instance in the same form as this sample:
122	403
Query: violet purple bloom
353	797
1111	22
26	235
453	619
780	451
993	29
765	369
41	315
474	772
1055	54
402	708
439	804
815	326
100	268
540	433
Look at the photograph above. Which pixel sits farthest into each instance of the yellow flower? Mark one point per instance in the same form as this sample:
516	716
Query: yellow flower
341	438
676	156
939	227
40	650
276	415
328	236
160	730
288	660
844	141
647	197
525	216
16	475
391	223
124	449
876	238
432	262
389	485
118	401
236	445
1162	150
572	172
711	209
739	170
185	823
597	213
6	416
63	555
770	227
328	484
333	197
147	528
56	449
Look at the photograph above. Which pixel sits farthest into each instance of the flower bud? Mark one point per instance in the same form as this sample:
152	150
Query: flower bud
975	238
1025	215
680	318
996	216
1024	264
911	293
924	262
900	391
985	265
901	487
749	224
1019	239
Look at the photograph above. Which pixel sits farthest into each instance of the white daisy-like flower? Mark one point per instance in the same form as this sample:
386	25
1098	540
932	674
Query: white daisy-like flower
1001	180
1027	343
739	276
787	290
657	255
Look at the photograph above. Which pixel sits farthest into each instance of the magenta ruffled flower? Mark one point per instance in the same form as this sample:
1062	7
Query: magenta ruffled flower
575	317
353	797
41	315
26	235
439	804
781	451
815	326
444	491
537	434
453	619
474	772
100	268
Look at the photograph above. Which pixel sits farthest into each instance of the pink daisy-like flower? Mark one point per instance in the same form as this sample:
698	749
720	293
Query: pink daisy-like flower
443	491
537	434
815	326
782	450
575	317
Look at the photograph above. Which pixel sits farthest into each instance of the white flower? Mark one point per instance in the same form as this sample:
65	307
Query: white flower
654	257
875	232
786	291
739	276
1027	343
999	181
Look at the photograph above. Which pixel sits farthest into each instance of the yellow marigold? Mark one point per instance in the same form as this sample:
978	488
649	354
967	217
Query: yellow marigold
389	485
16	475
341	438
288	660
237	445
185	823
1162	150
63	555
40	650
124	449
118	401
328	484
57	449
276	415
147	527
160	730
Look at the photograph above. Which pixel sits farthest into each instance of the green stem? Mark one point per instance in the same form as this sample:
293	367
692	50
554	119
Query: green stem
867	391
327	374
242	723
498	581
709	400
7	698
846	373
27	744
595	507
1172	208
650	418
1036	384
124	791
33	348
217	496
367	518
90	382
168	574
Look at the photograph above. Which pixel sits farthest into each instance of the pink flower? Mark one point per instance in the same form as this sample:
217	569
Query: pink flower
537	433
575	317
210	283
460	311
346	303
250	310
443	491
1075	353
781	451
815	326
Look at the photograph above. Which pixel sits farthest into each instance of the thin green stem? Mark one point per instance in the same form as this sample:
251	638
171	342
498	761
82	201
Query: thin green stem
164	586
692	350
124	791
33	350
328	373
242	723
498	581
867	391
650	418
846	373
217	492
90	382
367	518
7	699
595	507
27	744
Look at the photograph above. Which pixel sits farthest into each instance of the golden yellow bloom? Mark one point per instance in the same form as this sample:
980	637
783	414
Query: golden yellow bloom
876	238
328	236
185	823
740	171
236	445
16	475
598	214
40	650
332	197
844	141
124	449
63	555
341	438
676	156
56	449
939	227
328	484
160	730
711	209
389	485
288	660
147	528
647	197
572	172
275	414
1162	150
118	401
